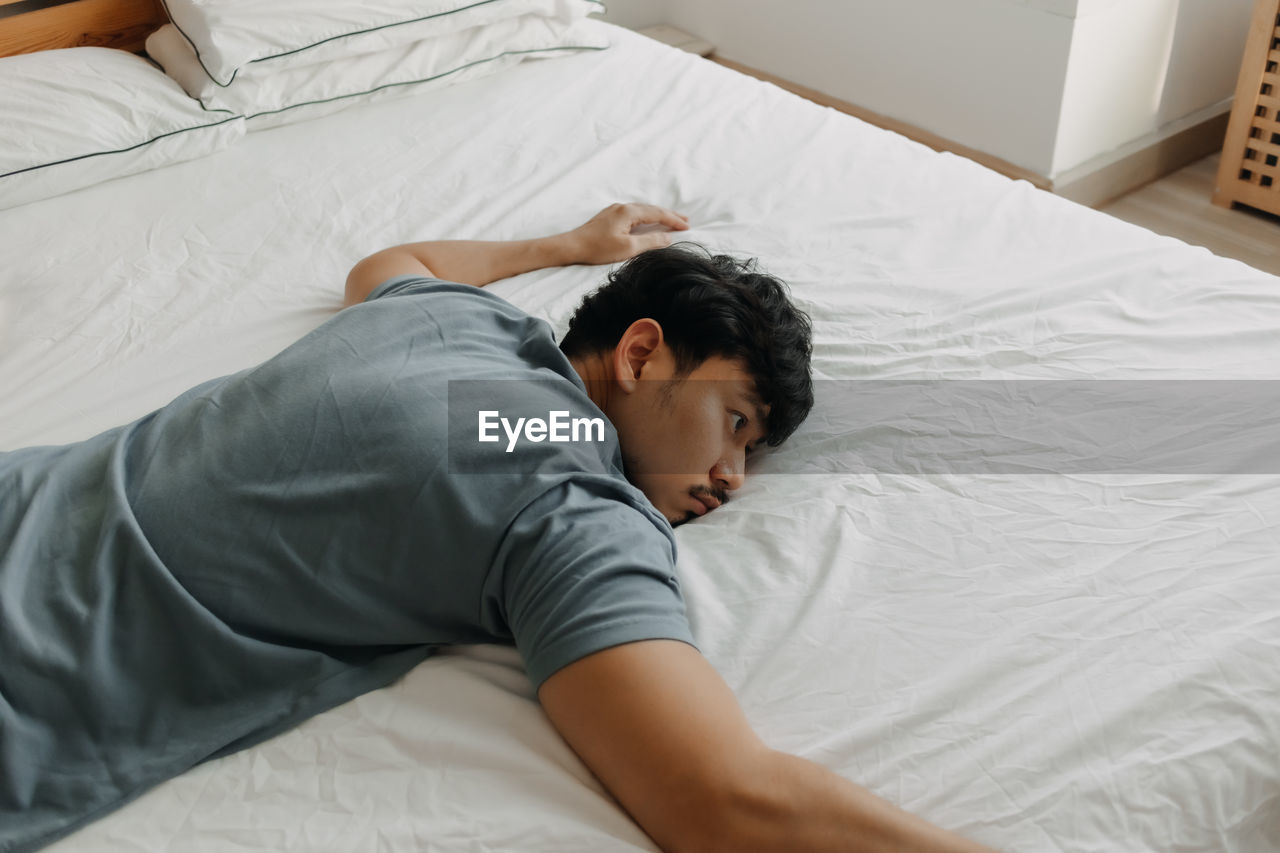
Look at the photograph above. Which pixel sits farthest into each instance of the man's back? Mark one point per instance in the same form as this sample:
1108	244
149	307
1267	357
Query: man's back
281	540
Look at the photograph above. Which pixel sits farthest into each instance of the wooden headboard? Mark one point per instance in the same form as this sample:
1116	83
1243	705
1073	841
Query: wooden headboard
31	25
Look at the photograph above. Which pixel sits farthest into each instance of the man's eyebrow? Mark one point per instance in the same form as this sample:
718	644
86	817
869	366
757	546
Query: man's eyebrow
757	402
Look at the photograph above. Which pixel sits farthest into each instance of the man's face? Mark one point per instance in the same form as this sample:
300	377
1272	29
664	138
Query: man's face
685	441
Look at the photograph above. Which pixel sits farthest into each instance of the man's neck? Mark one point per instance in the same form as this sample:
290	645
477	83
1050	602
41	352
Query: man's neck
596	373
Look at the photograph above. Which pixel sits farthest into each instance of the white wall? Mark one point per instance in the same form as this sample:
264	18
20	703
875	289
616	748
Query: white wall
1140	70
1049	85
637	13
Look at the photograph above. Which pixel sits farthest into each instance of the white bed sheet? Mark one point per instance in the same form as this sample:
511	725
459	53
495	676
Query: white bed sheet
1042	662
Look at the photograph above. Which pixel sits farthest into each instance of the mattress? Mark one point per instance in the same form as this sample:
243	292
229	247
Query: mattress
1076	657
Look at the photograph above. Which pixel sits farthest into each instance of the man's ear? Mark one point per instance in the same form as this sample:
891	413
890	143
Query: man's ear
637	350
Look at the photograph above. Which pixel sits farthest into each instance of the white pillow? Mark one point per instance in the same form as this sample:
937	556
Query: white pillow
228	35
297	90
82	115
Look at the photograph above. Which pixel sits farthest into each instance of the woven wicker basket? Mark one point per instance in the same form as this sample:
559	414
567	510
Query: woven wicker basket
1250	169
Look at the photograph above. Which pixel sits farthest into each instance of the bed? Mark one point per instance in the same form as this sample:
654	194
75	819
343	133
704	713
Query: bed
1050	656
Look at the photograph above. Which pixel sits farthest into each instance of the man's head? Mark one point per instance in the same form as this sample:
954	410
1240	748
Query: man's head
696	359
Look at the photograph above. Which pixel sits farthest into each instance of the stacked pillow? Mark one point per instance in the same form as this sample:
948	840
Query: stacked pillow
293	59
82	115
236	64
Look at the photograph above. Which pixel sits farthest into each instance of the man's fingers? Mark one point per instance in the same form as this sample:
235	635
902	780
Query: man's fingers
648	228
621	231
651	214
656	240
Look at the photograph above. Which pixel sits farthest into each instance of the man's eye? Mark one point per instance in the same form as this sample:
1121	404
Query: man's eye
738	420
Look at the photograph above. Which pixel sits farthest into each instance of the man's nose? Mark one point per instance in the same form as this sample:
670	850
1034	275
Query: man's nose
730	471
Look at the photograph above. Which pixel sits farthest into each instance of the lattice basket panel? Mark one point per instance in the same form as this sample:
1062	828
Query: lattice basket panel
1250	169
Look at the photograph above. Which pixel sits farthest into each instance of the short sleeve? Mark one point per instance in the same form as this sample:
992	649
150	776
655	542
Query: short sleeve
405	284
586	568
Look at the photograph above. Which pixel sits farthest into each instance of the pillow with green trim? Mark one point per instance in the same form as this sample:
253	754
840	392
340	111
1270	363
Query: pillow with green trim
227	36
82	115
297	90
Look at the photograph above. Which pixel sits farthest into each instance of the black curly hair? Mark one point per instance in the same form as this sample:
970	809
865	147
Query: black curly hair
708	305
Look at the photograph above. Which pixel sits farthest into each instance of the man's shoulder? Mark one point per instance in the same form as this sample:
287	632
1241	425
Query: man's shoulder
439	289
460	316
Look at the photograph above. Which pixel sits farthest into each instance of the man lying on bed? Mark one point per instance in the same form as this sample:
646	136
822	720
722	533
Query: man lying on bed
276	542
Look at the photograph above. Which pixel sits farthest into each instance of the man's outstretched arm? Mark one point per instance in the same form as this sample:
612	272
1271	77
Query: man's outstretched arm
605	238
663	732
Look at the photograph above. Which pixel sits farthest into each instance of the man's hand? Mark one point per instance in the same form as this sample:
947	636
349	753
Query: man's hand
614	234
621	231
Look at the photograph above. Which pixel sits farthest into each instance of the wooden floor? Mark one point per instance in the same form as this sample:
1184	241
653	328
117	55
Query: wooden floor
1178	205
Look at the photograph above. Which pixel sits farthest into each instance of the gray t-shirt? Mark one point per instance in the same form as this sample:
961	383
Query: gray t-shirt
276	542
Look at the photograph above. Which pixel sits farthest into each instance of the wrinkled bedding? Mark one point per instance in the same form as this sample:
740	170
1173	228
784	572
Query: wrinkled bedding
1074	660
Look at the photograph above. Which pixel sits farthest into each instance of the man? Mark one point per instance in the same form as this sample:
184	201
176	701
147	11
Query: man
276	542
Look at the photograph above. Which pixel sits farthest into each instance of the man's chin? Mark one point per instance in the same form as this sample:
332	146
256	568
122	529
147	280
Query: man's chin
679	520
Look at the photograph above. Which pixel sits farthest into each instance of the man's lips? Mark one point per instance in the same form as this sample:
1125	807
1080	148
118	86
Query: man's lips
707	502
